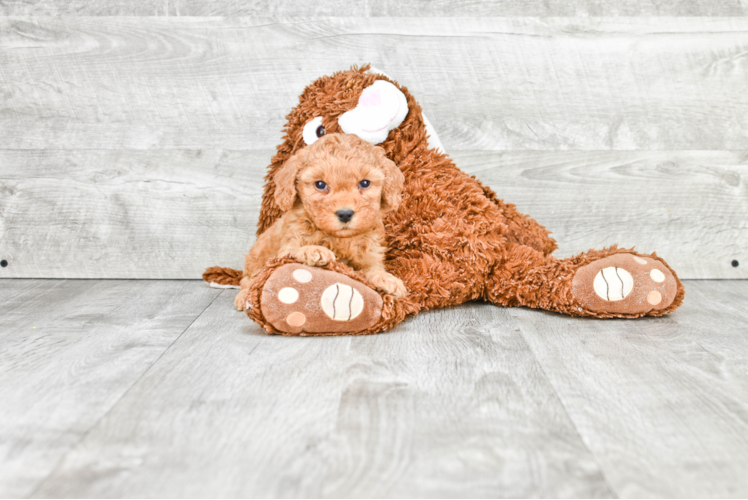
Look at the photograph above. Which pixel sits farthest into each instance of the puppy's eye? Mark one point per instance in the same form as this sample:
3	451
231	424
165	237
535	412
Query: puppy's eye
313	130
364	184
320	185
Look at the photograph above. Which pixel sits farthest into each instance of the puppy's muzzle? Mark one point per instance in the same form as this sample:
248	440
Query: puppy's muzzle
344	215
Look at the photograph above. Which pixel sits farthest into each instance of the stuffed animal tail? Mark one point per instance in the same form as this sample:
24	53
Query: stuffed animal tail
222	277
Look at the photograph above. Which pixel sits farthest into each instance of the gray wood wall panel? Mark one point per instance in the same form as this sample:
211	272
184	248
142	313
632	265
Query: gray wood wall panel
134	147
452	404
127	214
375	8
171	213
487	83
70	351
691	207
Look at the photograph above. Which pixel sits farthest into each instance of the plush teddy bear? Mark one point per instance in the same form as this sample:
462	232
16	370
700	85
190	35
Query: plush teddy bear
451	240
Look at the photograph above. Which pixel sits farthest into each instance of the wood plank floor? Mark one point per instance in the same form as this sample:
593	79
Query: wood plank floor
158	388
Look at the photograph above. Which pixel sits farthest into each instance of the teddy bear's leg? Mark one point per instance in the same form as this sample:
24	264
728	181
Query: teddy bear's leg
294	299
613	282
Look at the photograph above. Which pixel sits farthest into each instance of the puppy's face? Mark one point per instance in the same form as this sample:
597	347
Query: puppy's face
342	198
344	183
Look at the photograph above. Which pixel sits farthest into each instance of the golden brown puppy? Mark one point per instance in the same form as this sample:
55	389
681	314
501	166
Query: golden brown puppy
334	193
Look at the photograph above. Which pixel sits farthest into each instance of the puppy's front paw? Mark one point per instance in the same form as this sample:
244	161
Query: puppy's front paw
384	281
314	255
240	302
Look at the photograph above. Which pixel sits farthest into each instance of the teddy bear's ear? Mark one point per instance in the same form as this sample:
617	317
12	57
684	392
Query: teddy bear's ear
285	181
432	136
392	188
381	107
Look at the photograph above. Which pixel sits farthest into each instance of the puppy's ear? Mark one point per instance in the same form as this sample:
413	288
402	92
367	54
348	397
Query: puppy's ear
285	181
392	189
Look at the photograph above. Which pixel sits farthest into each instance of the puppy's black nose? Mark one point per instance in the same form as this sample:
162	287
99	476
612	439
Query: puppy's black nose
344	214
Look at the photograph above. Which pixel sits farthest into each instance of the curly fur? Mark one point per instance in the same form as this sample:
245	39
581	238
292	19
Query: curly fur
451	239
311	230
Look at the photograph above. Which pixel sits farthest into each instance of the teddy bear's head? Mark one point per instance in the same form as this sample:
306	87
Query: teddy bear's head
360	102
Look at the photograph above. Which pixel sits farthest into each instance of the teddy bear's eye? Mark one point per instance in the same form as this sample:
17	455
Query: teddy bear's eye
364	184
313	130
320	185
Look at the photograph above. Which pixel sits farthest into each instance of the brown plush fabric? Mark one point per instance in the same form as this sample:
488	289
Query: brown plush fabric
451	240
222	276
392	311
650	288
303	311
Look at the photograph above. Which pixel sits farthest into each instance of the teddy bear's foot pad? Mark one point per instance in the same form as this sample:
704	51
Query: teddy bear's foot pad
625	284
308	300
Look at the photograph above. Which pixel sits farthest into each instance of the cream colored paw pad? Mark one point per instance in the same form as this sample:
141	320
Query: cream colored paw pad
341	302
657	276
302	276
613	283
639	260
288	295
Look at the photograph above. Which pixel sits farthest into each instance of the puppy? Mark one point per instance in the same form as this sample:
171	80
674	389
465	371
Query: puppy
335	194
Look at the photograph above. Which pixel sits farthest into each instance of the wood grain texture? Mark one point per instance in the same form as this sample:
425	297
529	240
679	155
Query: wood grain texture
127	214
70	351
450	404
172	213
453	404
475	400
689	206
510	83
376	8
229	408
662	403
